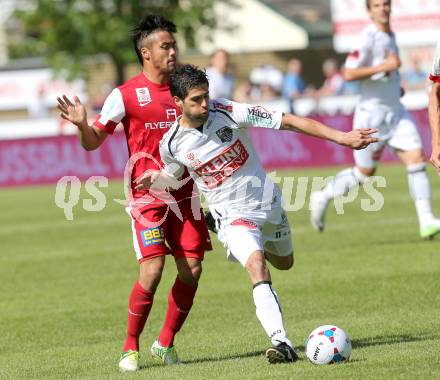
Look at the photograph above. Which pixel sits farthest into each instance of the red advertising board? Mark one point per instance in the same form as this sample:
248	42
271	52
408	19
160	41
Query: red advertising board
46	160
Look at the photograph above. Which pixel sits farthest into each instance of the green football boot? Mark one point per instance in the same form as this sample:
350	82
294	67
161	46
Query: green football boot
429	231
129	361
167	355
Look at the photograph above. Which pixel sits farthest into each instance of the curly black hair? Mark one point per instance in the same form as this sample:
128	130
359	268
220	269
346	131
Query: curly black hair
185	78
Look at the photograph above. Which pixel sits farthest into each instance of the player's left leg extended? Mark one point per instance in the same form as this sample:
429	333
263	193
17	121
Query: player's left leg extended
408	146
268	310
347	179
243	237
420	191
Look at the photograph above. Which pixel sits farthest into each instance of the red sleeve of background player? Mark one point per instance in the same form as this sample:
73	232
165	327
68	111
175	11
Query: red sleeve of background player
360	54
435	71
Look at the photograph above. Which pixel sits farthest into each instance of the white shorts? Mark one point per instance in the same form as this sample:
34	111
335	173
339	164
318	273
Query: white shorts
397	130
243	233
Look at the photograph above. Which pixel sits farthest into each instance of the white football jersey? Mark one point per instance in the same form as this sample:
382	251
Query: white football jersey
435	71
221	159
372	49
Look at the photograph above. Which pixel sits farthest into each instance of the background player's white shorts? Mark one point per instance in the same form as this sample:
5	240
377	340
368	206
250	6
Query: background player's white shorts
243	233
397	129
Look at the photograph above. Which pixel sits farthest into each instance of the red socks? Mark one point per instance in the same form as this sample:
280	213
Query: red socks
180	301
139	307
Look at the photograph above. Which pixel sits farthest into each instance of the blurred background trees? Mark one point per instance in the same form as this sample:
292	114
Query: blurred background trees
68	31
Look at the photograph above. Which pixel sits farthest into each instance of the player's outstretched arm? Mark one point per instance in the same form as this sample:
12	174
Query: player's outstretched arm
356	139
90	137
391	63
434	121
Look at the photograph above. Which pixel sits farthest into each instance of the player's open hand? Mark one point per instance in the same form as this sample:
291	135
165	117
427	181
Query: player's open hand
74	112
146	180
359	138
435	158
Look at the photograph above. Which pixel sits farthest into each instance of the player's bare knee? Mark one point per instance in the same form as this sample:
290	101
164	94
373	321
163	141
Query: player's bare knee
412	157
150	280
417	159
150	273
196	272
190	275
189	269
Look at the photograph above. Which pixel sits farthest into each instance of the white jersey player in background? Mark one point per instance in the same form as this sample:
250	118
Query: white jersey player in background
374	61
210	140
434	109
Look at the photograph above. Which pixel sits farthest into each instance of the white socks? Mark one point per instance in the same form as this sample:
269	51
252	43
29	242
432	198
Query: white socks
343	182
420	191
269	312
418	182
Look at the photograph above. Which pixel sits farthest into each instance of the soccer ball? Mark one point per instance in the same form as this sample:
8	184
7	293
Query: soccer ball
328	344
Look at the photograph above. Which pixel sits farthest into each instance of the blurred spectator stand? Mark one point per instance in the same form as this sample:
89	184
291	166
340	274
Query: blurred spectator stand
414	77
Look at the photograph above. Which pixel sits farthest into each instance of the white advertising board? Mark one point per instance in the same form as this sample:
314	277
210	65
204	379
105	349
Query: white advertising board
31	89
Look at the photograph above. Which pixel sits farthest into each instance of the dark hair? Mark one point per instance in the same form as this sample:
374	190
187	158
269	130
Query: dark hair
148	25
185	78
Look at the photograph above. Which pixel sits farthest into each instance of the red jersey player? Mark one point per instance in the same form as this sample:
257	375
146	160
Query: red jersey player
146	109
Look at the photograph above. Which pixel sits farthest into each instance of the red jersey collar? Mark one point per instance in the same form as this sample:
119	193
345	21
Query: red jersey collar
160	87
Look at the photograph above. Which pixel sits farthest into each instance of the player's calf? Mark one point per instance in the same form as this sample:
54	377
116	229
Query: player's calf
257	268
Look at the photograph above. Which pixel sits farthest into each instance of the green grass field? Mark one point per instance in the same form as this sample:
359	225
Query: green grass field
65	286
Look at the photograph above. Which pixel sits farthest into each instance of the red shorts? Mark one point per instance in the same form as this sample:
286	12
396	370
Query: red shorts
158	231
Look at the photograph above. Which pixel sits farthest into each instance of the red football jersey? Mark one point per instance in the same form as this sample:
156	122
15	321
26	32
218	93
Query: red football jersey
147	111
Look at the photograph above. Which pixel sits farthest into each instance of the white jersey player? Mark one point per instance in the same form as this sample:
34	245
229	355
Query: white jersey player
434	109
374	61
222	161
210	140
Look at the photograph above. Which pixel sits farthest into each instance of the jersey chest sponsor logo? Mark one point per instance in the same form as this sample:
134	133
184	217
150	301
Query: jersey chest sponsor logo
225	134
143	96
259	115
171	115
159	125
216	170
